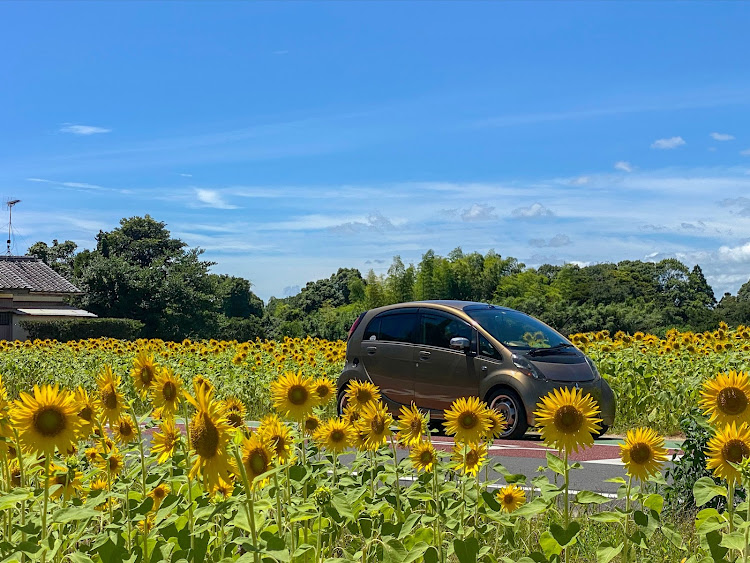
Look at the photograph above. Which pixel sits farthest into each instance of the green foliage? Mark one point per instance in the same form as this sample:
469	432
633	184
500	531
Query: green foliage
81	329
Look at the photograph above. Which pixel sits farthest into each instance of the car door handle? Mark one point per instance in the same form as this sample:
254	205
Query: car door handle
372	349
484	368
424	355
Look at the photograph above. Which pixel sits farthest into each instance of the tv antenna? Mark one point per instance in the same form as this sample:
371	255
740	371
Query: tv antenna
10	203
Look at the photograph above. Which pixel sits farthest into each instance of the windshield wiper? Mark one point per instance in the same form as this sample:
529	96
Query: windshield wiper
551	349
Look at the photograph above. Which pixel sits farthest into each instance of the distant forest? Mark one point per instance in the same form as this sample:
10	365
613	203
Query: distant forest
139	271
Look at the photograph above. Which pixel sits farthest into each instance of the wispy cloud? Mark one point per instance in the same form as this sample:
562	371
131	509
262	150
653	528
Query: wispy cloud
532	211
555	242
83	129
479	212
580	181
746	152
186	175
623	165
76	185
212	198
670	143
722	137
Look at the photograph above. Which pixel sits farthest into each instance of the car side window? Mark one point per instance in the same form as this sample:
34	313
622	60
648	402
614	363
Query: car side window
437	330
488	350
373	330
398	327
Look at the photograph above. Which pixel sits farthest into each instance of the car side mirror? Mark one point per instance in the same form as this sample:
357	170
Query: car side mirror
460	343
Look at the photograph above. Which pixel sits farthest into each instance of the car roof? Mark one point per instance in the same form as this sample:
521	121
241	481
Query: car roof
450	303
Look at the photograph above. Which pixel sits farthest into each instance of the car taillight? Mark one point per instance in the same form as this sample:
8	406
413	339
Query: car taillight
354	327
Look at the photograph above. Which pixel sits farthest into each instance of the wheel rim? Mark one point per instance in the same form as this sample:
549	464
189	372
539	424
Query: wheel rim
506	406
343	401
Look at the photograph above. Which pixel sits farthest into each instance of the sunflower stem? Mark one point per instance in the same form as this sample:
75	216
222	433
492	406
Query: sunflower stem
438	506
746	549
187	474
399	515
730	505
23	483
249	503
143	477
626	540
278	503
567	488
45	531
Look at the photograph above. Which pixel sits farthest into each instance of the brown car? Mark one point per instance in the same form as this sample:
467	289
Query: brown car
433	352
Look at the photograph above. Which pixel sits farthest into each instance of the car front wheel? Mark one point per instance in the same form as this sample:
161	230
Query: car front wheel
509	404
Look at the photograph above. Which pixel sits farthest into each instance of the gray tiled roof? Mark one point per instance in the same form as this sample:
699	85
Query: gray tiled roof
27	272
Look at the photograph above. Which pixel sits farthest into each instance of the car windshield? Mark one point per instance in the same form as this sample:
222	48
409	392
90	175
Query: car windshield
515	329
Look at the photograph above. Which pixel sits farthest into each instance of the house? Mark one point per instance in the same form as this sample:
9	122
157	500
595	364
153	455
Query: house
31	290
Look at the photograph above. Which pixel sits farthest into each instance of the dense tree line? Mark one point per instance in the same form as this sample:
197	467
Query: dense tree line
139	271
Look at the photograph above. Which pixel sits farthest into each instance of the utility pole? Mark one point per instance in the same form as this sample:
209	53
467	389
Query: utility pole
10	204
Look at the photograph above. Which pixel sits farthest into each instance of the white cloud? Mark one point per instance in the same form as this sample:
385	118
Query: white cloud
532	211
78	185
671	143
735	253
580	181
479	212
186	175
83	129
746	152
212	198
722	137
623	165
555	242
375	222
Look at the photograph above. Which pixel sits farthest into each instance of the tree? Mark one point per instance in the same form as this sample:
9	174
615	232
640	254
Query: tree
60	256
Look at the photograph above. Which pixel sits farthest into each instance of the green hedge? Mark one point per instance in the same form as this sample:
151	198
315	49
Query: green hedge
77	329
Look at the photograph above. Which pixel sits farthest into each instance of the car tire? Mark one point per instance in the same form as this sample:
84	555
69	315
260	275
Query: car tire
509	404
341	400
601	432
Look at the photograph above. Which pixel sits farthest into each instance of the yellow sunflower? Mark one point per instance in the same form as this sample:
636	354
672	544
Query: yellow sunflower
412	425
375	424
99	484
110	398
144	372
165	393
64	481
158	494
224	489
498	424
567	420
469	459
47	420
278	437
335	435
124	430
234	411
730	445
359	393
510	497
323	389
166	441
88	411
727	398
467	419
643	453
209	435
293	395
112	462
311	424
201	381
257	458
423	456
351	414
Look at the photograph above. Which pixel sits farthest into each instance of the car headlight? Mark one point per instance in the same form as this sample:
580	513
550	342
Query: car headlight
594	370
527	368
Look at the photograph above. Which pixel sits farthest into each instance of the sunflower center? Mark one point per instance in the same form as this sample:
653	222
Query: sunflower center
363	396
257	463
568	419
377	425
640	453
415	426
311	424
204	435
147	374
472	458
169	391
114	463
322	391
468	420
337	436
508	499
234	418
126	429
425	457
159	493
280	445
49	421
732	401
735	451
86	413
109	397
297	395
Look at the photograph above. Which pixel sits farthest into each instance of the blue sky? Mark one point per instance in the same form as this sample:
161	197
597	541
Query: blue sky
290	139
